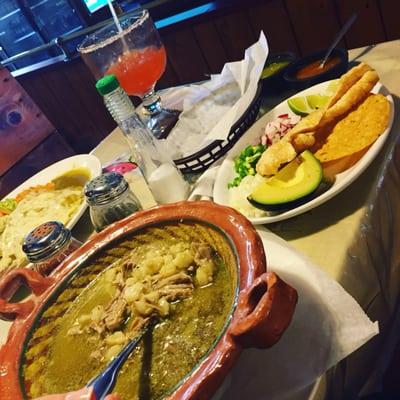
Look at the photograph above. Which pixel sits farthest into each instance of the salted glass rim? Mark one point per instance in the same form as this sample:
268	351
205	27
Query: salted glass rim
94	41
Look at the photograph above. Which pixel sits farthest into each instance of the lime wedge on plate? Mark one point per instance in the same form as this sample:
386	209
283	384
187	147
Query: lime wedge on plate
332	87
316	101
304	105
299	106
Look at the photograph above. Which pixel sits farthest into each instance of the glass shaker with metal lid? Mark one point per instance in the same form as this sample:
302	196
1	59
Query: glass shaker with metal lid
109	199
48	245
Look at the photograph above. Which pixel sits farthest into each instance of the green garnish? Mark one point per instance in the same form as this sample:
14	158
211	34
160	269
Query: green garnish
245	163
7	206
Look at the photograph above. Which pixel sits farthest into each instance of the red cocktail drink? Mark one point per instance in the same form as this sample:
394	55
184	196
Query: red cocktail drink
135	54
138	70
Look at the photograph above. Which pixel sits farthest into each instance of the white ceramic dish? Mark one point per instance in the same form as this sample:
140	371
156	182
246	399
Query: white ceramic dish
91	163
226	172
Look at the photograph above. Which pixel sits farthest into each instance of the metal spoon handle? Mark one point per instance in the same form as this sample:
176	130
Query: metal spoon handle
338	37
105	381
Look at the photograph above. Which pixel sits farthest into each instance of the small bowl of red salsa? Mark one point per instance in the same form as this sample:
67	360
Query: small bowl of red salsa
306	71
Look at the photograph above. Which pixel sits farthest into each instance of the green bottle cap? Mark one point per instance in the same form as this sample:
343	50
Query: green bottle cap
107	84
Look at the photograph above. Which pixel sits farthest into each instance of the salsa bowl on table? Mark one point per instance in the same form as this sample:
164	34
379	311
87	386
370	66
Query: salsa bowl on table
305	72
191	349
274	68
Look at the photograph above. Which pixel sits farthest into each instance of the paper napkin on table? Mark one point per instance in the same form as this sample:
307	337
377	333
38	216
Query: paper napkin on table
203	188
327	326
210	109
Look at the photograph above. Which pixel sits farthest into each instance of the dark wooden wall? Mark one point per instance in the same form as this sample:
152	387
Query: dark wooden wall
66	94
198	47
52	149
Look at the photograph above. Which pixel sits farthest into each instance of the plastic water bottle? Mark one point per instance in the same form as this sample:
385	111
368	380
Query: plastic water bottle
163	177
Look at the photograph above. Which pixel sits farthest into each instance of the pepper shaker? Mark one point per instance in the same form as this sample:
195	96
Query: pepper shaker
48	245
109	199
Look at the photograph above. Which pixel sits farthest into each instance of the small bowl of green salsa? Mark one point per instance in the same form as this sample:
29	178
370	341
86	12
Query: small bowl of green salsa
274	68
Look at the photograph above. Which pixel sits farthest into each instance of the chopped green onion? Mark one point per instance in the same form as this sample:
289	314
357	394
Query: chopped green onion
245	163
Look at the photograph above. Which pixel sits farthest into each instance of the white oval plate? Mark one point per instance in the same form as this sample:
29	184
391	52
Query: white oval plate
91	163
226	172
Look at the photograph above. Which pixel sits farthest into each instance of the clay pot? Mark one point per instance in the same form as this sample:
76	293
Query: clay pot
265	303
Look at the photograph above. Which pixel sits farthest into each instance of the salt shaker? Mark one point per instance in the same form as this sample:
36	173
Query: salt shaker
109	199
48	245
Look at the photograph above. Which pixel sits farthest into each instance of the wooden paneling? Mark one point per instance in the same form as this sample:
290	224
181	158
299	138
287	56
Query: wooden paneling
368	27
272	18
314	22
22	124
52	149
180	46
68	97
235	33
211	46
169	77
390	11
81	86
77	127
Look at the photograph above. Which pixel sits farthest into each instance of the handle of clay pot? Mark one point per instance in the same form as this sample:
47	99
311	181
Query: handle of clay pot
35	281
264	311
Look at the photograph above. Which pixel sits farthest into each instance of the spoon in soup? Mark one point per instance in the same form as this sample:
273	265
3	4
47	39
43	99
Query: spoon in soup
104	383
100	387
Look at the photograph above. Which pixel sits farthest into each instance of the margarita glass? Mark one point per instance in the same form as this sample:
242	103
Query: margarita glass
136	55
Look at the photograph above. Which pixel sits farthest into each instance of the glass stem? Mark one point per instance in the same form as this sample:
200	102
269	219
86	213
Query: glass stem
152	102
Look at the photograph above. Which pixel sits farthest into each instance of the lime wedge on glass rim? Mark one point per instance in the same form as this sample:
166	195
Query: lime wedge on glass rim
299	106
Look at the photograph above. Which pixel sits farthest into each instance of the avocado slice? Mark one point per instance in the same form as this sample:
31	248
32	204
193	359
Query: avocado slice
293	185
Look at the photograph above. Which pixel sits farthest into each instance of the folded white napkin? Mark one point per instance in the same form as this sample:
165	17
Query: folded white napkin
203	188
327	326
211	108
